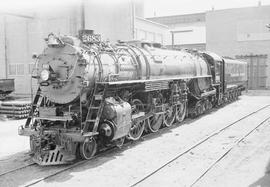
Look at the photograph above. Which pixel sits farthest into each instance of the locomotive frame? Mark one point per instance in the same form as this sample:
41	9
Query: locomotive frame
111	110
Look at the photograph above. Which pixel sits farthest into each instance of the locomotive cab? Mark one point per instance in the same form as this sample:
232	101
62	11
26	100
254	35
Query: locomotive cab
216	65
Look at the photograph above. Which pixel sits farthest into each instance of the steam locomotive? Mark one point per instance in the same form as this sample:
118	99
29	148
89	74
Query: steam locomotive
93	95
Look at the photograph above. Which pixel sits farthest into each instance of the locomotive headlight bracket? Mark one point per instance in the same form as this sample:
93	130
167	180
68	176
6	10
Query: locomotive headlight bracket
44	75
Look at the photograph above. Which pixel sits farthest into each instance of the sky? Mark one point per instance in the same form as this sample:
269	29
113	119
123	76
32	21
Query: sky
151	7
176	7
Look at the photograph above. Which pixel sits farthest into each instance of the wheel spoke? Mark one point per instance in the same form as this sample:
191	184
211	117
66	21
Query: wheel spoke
88	149
169	116
181	112
154	122
136	131
137	127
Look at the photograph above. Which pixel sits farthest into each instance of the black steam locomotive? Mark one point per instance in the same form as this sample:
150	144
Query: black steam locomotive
93	95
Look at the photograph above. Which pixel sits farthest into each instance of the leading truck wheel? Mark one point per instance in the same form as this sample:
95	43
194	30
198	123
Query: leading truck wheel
88	148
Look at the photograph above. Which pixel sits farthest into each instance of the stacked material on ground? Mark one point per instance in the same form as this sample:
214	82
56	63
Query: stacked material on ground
15	109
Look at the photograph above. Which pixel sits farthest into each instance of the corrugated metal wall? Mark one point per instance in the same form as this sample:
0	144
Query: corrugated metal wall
18	56
22	36
242	31
257	71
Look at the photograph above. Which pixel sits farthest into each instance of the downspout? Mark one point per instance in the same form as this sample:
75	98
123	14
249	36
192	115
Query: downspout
133	19
5	41
172	39
82	15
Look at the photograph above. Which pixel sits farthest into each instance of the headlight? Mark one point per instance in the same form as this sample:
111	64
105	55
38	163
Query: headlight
44	75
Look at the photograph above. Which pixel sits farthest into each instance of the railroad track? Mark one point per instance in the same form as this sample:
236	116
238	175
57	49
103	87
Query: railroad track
201	142
103	153
16	169
110	150
228	151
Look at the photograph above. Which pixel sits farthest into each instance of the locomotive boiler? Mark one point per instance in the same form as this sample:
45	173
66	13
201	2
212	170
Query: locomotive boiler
93	95
64	68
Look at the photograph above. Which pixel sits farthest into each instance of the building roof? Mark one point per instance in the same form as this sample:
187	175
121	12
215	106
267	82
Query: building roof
152	22
251	8
175	19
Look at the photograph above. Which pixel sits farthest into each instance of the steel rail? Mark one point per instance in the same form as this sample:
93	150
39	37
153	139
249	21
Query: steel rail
227	152
107	151
196	145
111	149
16	169
70	167
104	152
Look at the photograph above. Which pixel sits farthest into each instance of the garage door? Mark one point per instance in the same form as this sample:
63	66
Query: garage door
257	65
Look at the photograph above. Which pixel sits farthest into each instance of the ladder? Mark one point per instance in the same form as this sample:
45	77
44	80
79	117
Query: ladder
33	108
94	111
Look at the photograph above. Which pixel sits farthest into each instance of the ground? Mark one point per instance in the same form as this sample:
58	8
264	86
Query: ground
247	164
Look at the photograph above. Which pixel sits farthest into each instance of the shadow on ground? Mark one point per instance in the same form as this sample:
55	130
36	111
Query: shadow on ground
67	175
36	172
265	180
14	161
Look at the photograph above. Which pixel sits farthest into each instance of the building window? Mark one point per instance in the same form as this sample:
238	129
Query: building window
16	69
12	69
20	69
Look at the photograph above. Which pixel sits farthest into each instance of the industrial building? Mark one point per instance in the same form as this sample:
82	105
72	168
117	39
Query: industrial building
22	34
236	33
233	33
242	33
187	31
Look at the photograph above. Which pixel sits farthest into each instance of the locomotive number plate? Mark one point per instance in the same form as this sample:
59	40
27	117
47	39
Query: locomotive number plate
90	38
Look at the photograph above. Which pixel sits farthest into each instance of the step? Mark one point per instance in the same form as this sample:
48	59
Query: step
98	97
55	118
95	107
91	120
90	134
